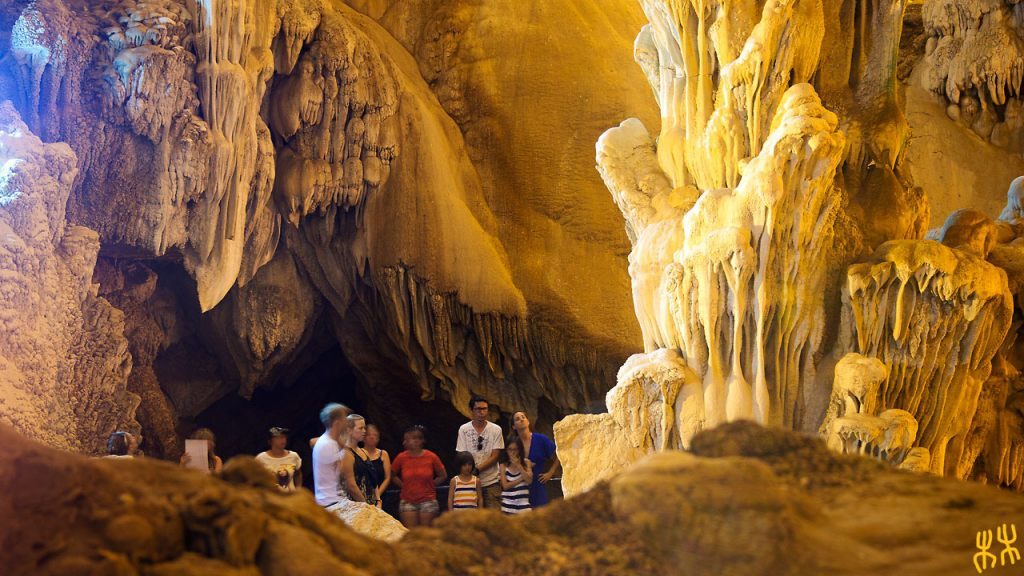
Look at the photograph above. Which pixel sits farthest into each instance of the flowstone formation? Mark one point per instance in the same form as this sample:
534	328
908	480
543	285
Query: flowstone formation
322	187
64	360
778	269
936	316
748	501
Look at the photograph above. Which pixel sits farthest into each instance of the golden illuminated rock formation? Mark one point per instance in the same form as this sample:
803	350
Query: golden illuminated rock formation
303	160
410	182
778	269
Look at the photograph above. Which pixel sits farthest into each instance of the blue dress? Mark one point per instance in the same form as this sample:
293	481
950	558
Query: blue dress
542	449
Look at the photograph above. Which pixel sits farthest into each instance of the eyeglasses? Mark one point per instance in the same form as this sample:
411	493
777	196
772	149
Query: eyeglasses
479	443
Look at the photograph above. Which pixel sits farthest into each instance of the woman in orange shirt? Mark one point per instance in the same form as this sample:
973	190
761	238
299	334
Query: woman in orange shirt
417	472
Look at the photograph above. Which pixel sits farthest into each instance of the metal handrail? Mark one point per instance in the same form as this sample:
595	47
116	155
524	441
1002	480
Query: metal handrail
391	496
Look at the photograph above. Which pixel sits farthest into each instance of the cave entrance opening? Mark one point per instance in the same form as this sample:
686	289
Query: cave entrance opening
241	424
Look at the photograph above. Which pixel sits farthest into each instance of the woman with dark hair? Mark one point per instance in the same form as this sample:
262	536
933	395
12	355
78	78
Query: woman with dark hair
515	472
214	463
540	450
285	465
378	460
417	472
121	445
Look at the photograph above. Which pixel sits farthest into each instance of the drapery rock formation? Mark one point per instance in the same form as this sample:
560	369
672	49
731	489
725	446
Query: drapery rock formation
754	217
975	62
961	66
749	501
936	316
322	184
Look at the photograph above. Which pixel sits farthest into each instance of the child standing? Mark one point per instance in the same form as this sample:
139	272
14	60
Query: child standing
515	472
464	492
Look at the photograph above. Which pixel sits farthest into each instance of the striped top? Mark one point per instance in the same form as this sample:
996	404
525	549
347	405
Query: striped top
516	499
465	494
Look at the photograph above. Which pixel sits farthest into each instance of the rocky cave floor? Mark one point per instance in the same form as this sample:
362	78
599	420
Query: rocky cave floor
747	500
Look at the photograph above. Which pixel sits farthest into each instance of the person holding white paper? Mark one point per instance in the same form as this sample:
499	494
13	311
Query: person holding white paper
194	453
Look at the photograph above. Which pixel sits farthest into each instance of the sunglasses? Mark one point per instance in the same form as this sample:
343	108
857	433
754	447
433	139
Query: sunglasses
479	442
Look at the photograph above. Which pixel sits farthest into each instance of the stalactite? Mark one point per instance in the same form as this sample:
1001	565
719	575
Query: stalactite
234	63
338	123
508	359
936	316
975	63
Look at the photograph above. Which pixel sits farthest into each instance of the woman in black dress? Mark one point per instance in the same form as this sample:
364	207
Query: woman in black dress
378	460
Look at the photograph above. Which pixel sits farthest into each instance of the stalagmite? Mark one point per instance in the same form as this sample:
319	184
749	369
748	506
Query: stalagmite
755	270
652	209
742	292
853	423
854	387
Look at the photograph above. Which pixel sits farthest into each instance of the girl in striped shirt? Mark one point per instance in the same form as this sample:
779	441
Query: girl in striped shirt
515	472
464	492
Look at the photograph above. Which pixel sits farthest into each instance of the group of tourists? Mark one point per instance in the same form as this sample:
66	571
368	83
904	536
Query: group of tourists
492	472
510	474
344	470
507	474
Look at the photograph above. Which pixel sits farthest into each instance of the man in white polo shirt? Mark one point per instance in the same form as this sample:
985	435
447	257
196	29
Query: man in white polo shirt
484	441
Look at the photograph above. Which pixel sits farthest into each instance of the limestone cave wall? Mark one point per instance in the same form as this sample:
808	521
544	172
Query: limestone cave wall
202	198
264	180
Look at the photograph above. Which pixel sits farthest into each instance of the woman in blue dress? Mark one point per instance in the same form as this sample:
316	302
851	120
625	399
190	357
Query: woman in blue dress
541	451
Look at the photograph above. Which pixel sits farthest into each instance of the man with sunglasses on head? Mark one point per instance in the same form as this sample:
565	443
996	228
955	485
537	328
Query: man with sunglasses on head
483	439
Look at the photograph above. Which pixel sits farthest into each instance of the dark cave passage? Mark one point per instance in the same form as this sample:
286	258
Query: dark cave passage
241	425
